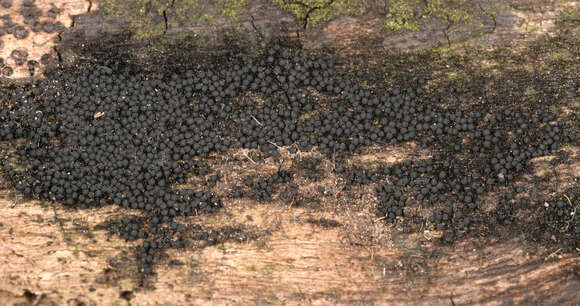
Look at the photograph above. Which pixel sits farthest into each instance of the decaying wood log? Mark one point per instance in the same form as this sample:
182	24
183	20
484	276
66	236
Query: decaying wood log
50	255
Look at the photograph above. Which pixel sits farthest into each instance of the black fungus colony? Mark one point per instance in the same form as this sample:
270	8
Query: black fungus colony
121	136
35	20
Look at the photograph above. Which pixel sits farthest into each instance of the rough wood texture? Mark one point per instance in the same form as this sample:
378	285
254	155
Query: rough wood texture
53	256
57	257
38	44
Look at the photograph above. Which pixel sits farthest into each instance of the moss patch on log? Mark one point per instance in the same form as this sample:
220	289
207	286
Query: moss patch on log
313	13
151	18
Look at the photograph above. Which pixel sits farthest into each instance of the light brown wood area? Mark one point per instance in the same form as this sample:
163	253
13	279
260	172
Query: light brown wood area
50	255
38	44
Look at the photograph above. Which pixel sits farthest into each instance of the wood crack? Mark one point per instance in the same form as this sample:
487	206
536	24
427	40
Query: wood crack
165	16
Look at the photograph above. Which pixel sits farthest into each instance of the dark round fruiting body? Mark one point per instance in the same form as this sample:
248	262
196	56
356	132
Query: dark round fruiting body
48	27
19	54
36	27
113	133
6	3
20	32
7	71
45	59
59	26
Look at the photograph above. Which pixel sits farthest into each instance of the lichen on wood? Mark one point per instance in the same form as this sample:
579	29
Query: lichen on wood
313	13
151	18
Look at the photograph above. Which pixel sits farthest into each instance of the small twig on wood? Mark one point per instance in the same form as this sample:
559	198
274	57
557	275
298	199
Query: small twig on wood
248	157
313	9
258	32
573	213
257	121
277	146
382	218
569	201
553	254
340	191
164	13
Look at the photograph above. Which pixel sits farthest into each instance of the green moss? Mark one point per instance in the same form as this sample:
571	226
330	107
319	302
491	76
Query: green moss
313	13
147	18
407	15
230	9
402	17
450	11
560	56
207	18
490	11
569	18
144	16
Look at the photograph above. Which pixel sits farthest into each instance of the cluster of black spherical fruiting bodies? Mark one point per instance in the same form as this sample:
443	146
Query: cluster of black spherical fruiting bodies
20	57
560	211
31	14
323	222
262	190
129	228
449	179
31	22
392	202
178	235
442	217
215	236
100	135
290	193
310	168
361	177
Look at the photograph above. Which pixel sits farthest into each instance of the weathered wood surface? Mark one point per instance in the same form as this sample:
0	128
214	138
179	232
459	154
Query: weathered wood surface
53	255
50	255
38	44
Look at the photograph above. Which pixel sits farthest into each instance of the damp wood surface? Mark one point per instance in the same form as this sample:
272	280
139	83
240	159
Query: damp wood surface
52	255
39	43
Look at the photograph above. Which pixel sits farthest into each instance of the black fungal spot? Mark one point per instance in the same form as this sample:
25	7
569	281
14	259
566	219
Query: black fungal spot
114	133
